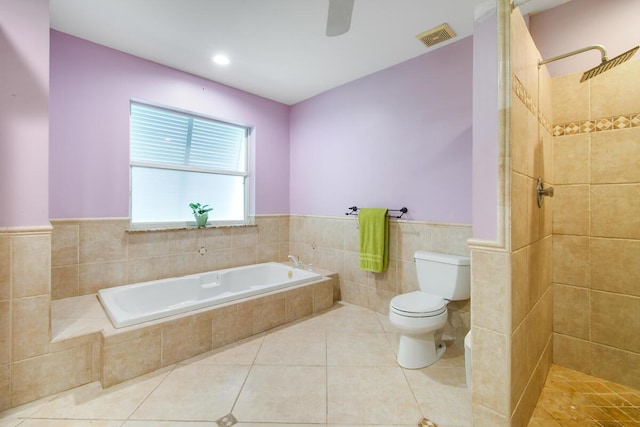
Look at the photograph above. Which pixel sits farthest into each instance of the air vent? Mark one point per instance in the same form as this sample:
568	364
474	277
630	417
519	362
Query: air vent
436	35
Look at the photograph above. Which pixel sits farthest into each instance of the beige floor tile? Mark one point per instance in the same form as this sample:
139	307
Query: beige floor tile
359	349
195	393
71	423
442	394
370	395
171	424
91	401
350	318
239	353
288	347
283	394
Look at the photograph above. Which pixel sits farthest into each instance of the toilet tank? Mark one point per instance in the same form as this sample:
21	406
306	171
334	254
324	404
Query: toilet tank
447	276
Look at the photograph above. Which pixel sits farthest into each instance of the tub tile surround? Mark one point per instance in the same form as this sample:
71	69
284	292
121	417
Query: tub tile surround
596	242
91	254
320	382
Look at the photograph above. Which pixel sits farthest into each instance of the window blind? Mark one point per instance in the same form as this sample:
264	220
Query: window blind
169	138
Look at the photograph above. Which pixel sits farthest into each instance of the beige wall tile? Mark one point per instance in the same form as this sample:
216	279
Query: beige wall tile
216	238
268	314
524	137
524	56
571	209
158	243
185	341
268	253
450	240
65	281
131	359
615	265
30	265
283	228
615	156
520	285
268	229
521	208
5	332
570	99
614	211
298	303
65	240
5	268
323	294
485	417
529	397
30	334
413	237
352	237
522	364
571	155
491	275
490	370
572	353
571	311
5	387
617	91
95	276
217	260
615	321
616	365
51	373
571	264
103	240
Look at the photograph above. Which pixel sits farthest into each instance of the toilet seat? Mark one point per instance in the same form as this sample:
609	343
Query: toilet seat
418	304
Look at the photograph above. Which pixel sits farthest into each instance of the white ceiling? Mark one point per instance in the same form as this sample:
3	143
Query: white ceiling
278	48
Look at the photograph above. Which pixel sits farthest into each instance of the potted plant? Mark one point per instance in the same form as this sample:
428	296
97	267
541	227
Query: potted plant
201	213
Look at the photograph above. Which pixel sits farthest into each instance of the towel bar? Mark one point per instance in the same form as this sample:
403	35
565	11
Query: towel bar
353	210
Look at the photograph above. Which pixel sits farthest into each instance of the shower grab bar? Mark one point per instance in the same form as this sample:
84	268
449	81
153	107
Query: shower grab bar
354	211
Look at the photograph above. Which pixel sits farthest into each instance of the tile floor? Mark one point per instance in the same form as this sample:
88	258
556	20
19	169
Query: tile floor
574	399
334	369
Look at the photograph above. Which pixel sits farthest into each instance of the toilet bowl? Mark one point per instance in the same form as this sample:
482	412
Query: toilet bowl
421	315
418	316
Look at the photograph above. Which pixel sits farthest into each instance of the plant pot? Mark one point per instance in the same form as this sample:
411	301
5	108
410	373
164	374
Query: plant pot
201	220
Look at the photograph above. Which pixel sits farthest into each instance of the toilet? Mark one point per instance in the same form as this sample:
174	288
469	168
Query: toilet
420	316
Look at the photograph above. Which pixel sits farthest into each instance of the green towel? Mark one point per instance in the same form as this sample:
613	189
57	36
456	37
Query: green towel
374	239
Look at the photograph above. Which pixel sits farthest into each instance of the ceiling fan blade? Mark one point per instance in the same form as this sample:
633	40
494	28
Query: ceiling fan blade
339	19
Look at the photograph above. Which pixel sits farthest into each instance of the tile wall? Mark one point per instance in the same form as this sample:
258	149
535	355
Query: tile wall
25	335
511	290
531	225
78	257
596	226
333	243
91	254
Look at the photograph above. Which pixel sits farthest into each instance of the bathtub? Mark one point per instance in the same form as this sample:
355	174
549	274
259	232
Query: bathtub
141	302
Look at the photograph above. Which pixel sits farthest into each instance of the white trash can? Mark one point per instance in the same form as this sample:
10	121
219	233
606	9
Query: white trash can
467	358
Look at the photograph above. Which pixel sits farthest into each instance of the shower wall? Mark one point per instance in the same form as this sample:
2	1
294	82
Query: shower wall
531	240
596	225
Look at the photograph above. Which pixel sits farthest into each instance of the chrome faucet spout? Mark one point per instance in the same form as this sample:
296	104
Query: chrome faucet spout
295	261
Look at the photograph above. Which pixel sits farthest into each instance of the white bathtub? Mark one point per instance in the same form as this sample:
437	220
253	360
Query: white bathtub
141	302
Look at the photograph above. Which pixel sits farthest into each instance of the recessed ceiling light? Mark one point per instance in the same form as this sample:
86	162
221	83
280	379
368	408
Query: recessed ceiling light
221	60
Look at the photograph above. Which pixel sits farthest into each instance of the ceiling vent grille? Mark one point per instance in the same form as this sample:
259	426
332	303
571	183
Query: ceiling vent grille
436	35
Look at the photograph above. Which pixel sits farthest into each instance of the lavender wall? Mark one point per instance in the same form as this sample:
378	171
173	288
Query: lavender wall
91	86
611	23
399	137
24	116
485	126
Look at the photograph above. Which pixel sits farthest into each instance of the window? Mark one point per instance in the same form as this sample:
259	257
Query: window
177	158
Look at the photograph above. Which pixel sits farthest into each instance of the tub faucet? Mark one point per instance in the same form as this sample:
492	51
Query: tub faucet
295	261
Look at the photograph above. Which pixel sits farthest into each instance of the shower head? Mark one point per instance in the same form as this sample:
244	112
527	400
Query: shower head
605	65
609	64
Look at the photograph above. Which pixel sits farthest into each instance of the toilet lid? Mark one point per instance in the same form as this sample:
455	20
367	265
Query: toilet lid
418	304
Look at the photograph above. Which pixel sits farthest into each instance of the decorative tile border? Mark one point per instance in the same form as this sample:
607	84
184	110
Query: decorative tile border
521	92
624	121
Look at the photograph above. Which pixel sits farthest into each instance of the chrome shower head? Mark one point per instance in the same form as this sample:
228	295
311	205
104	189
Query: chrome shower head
605	65
609	64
